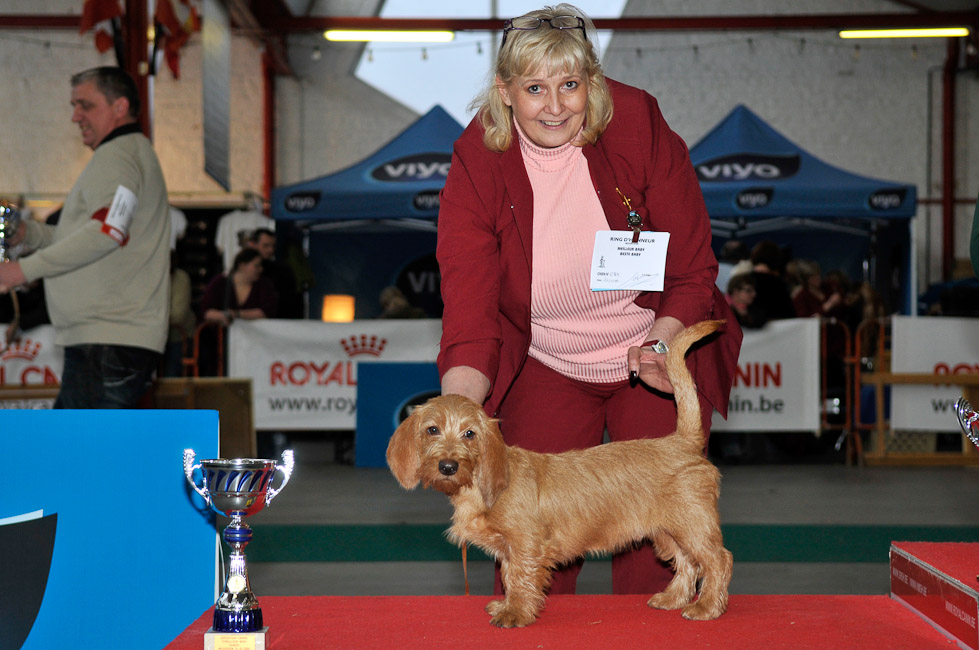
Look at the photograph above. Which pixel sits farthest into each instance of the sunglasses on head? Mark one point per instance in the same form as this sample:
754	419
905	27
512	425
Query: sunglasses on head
529	23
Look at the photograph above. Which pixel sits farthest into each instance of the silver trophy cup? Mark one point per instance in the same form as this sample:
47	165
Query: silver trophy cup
9	222
236	488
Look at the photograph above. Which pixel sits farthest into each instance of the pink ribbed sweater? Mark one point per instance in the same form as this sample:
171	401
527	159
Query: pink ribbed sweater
580	333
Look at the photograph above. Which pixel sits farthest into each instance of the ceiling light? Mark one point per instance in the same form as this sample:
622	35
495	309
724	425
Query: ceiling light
389	36
948	32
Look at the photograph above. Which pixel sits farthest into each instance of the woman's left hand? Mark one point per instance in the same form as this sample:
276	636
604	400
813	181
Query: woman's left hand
649	365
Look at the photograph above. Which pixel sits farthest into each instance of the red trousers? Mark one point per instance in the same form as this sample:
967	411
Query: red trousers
548	412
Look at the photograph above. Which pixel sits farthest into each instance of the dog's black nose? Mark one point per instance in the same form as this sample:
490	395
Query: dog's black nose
448	467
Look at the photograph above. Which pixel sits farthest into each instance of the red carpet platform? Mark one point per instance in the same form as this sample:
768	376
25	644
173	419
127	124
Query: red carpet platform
938	582
587	622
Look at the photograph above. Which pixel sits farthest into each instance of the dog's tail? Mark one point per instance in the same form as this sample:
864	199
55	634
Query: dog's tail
684	388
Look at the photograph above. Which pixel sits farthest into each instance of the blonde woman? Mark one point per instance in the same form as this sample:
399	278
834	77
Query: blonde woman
556	157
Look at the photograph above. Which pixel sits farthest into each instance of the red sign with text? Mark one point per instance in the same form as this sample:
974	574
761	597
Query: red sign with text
944	601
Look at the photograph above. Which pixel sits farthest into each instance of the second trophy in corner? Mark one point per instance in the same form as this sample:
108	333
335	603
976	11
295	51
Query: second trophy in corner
968	419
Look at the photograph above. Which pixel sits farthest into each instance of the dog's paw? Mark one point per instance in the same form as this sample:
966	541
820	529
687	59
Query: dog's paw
666	601
703	611
504	616
509	618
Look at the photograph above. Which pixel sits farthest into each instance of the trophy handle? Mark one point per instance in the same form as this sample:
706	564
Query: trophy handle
189	468
286	467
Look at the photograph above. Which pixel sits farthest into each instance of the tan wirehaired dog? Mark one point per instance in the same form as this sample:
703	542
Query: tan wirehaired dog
533	512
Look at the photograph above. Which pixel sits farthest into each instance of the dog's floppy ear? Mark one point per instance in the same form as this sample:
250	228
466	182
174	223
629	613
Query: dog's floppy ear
402	455
492	472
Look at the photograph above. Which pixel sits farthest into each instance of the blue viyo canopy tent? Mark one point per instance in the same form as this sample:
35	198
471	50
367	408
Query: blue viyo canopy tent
758	184
397	185
372	225
748	172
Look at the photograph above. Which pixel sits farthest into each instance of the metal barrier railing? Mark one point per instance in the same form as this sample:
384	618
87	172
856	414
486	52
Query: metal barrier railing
192	358
871	353
835	354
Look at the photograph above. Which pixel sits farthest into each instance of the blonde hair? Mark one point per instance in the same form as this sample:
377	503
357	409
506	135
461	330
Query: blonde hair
554	51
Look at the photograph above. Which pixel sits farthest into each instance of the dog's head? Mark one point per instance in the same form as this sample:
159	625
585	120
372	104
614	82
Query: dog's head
449	443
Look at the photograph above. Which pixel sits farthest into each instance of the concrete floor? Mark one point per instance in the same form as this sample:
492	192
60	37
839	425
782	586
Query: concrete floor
324	492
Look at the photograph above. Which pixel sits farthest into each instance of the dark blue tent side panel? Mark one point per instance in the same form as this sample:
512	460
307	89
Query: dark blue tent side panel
400	180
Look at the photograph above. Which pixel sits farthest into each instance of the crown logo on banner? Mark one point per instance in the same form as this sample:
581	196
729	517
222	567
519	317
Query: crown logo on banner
363	344
25	349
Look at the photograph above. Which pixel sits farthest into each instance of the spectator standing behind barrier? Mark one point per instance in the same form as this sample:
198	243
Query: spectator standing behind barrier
732	252
545	167
811	297
243	293
772	299
105	264
740	294
290	303
183	322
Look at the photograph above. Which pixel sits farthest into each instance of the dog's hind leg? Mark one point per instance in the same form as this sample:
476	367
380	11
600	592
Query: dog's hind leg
703	545
717	564
683	587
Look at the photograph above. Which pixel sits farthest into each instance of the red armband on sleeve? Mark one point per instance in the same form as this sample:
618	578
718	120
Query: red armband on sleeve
117	218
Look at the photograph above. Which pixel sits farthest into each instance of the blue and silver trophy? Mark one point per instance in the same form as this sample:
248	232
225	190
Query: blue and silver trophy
236	488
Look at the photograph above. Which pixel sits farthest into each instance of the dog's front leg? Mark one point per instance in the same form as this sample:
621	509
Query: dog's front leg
524	582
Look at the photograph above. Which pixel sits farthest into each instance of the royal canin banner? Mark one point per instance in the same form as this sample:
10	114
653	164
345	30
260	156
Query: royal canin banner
34	360
776	385
937	345
304	373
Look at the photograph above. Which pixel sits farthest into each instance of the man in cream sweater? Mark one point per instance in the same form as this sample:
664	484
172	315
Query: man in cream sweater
106	263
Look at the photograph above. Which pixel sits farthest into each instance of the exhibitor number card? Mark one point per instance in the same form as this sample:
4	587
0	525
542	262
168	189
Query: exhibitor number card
619	264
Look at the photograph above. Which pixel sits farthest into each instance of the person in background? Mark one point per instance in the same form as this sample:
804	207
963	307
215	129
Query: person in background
772	300
557	155
394	304
732	252
280	275
811	297
242	293
106	264
183	322
741	293
236	226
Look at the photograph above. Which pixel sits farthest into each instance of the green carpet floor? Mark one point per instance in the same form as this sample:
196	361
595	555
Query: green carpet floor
748	543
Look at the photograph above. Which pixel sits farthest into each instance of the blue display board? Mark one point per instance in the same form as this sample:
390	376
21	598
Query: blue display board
102	494
386	393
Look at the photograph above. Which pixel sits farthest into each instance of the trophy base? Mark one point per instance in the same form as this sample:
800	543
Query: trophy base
235	640
236	622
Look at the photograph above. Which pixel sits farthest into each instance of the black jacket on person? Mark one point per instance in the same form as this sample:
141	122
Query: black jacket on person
772	300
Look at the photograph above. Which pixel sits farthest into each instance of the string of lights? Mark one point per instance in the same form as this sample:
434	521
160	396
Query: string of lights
483	45
752	43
